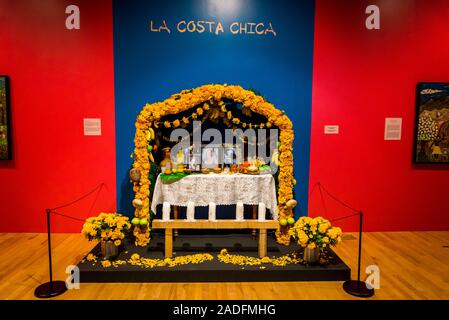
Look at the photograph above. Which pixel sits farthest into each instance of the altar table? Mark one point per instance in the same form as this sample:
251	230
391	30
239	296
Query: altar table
222	189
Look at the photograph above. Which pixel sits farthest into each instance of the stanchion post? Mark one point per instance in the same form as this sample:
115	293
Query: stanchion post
360	246
52	288
50	268
357	287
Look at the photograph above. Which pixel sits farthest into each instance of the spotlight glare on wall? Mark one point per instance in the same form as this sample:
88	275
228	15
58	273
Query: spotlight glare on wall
223	8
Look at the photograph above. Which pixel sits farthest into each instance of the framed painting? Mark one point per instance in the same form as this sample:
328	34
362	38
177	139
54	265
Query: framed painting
5	125
432	123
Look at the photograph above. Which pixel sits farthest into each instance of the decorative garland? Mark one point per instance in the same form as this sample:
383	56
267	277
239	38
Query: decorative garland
214	112
151	116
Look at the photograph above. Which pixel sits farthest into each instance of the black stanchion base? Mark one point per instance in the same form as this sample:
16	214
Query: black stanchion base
358	289
47	291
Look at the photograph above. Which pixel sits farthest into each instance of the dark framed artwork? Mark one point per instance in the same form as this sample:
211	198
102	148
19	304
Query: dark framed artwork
432	123
5	125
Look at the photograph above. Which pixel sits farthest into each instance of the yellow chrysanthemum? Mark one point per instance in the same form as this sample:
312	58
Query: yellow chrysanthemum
106	263
91	257
135	257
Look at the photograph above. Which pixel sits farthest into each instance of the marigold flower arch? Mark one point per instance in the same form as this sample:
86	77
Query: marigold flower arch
188	99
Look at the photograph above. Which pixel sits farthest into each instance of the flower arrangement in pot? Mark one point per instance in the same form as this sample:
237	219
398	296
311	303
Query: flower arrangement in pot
110	229
315	235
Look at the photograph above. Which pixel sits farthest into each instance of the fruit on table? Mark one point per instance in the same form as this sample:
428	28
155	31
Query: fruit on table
245	165
143	222
259	162
252	169
266	169
174	170
283	222
167	171
135	221
291	221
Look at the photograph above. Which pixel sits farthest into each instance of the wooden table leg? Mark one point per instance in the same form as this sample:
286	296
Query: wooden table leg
262	243
254	216
168	243
175	217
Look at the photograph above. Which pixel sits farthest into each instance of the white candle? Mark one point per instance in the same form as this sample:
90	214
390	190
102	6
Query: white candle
239	211
212	211
166	211
262	211
190	211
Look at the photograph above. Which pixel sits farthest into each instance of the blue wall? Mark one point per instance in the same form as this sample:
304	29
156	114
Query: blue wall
151	66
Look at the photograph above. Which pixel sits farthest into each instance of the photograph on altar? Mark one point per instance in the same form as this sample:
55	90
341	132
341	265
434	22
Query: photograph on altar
211	156
230	154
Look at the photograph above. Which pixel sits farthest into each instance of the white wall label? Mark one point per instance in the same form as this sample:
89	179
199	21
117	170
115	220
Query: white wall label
331	129
92	127
393	128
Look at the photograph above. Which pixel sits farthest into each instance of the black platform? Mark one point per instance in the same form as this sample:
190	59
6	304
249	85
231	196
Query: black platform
211	271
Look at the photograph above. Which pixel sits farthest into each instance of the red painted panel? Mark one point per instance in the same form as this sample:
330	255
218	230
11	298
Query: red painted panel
58	77
360	77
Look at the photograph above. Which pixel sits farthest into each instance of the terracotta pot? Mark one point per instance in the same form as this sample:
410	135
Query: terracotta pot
108	249
311	255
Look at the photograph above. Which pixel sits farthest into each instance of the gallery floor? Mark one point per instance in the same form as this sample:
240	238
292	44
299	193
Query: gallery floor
413	265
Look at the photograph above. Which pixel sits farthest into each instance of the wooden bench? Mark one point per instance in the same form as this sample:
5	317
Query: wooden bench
170	225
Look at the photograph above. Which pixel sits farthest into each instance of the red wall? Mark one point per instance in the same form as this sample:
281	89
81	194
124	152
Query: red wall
58	77
360	77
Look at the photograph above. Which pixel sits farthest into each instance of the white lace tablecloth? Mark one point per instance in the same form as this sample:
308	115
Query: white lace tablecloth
223	189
